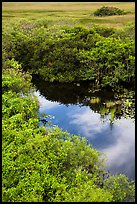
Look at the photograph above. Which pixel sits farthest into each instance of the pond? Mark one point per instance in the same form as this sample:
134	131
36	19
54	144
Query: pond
100	116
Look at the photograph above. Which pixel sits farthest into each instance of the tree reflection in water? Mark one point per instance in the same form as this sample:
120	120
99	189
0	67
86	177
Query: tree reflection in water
119	102
100	116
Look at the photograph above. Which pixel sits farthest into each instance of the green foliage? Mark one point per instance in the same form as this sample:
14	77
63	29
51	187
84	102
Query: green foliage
127	32
120	188
85	192
14	79
114	61
46	164
71	54
109	11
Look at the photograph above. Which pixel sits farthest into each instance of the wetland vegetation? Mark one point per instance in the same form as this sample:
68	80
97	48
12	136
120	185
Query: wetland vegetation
64	47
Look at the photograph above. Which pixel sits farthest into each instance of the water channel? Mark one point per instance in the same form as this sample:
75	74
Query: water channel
94	115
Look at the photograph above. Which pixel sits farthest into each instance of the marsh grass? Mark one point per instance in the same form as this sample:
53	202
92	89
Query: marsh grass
66	6
82	12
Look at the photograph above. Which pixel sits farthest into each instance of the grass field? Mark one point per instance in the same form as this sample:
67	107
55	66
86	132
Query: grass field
80	13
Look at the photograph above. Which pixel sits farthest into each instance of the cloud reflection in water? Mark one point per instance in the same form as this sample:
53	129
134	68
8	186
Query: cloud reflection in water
121	150
121	154
117	141
45	104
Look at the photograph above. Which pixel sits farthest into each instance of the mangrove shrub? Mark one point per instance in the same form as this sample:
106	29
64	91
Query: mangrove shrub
41	164
72	54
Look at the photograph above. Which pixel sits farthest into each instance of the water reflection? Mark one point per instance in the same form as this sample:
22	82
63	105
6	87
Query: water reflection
121	154
117	140
105	102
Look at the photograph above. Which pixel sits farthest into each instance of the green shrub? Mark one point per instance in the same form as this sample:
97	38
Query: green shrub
120	187
109	11
127	32
46	164
72	54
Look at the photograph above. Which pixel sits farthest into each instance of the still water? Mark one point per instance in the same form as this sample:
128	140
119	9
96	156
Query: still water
116	139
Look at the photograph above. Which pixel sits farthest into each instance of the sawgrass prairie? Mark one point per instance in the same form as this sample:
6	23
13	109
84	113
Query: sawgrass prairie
72	13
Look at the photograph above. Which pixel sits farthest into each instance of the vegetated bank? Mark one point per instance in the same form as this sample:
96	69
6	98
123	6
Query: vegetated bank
117	103
103	55
47	164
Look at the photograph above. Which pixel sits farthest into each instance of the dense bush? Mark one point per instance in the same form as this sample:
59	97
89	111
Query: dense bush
112	61
67	54
46	164
109	11
127	32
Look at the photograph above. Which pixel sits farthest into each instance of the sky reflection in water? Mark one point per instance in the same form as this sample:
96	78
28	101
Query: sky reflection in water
117	140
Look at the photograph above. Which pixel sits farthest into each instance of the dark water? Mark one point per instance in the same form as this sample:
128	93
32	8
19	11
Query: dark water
100	116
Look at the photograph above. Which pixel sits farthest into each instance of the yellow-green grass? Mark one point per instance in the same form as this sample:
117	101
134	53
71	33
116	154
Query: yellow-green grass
80	13
65	6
